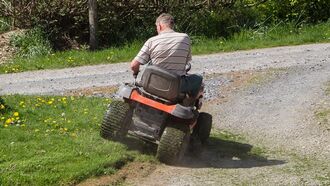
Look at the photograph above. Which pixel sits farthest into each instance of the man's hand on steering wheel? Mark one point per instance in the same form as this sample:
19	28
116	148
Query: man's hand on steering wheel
135	66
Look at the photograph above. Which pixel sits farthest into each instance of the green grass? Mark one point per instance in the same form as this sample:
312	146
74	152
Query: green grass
279	35
72	58
55	141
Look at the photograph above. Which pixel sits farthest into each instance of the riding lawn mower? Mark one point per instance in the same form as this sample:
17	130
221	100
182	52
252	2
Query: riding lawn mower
156	111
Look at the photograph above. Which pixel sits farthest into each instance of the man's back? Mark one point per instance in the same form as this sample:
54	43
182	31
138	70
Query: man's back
169	50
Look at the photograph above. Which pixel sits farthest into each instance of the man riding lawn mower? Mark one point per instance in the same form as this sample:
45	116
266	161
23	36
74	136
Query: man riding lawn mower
163	108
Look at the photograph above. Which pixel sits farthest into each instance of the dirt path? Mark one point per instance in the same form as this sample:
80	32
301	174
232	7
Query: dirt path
267	97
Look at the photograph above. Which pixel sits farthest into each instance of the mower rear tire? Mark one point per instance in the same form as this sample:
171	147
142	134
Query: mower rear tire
116	120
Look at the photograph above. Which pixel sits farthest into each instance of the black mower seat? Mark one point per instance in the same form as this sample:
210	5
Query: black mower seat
161	83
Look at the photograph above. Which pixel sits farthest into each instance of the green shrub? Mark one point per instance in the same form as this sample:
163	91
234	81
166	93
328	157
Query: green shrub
310	11
4	25
31	43
119	22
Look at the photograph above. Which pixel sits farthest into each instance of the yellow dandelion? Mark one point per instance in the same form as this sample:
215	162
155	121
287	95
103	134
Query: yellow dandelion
5	125
2	107
65	129
16	114
50	102
9	121
2	118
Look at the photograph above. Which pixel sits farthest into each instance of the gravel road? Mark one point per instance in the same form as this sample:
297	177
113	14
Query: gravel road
59	81
272	105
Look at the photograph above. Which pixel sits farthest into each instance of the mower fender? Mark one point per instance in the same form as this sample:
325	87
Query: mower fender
125	91
175	110
183	112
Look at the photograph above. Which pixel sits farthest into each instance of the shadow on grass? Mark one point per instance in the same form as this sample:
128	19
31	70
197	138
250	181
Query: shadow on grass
4	108
219	153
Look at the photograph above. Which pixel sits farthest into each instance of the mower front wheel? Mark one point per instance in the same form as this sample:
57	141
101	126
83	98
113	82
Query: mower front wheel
203	127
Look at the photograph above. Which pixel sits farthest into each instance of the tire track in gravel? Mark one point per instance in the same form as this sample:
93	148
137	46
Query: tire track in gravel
282	111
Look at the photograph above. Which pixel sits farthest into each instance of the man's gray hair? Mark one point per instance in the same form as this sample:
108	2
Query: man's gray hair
166	19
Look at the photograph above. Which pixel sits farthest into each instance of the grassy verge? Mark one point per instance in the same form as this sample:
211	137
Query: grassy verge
279	35
55	141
